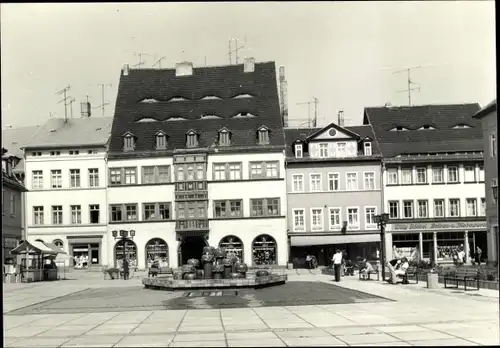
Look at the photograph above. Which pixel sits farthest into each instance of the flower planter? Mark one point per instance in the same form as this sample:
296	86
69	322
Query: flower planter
193	262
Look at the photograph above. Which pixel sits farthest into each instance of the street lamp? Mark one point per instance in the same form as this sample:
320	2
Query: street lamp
494	189
382	221
123	235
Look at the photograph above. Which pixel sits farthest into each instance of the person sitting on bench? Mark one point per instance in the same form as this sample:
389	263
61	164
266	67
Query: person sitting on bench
366	268
397	268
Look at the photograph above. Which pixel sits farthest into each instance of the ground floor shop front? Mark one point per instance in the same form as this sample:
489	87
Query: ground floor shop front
438	242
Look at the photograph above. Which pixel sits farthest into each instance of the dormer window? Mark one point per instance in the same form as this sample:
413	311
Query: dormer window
299	151
161	141
224	137
399	128
263	135
461	126
368	148
191	139
425	127
128	142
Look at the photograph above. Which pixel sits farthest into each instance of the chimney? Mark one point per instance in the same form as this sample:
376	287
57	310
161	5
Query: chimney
85	109
341	118
283	97
184	69
125	69
249	65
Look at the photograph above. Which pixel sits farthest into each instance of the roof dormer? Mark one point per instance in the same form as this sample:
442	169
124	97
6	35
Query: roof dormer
298	148
427	127
461	125
263	135
149	101
191	139
224	137
177	98
161	140
242	96
399	129
129	141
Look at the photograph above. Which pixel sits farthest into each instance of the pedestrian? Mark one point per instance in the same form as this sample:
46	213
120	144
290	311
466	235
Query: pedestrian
478	255
125	269
337	263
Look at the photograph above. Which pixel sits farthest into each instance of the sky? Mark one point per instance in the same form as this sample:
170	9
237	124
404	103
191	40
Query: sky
342	53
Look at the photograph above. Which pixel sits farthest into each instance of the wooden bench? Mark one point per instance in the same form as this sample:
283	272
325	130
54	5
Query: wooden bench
373	271
411	272
154	272
462	275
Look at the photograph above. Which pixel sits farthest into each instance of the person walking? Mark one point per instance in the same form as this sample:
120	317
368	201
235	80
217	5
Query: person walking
478	255
337	263
125	269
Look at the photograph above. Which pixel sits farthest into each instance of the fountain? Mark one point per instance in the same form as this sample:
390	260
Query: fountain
215	269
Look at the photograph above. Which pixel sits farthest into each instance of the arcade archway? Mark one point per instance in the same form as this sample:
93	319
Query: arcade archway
233	244
264	250
157	249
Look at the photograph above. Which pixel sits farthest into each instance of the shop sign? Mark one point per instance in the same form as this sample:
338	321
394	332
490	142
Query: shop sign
438	226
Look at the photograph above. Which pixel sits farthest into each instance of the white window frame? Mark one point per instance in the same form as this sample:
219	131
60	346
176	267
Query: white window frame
295	178
37	179
76	214
440	170
456	170
417	176
426	209
347	181
344	152
335	227
412	209
59	215
56	178
364	181
311	182
321	226
38	215
323	150
450	207
398	210
482	206
493	145
75	178
466	179
443	201
481	173
403	171
467	201
93	177
299	153
368	148
373	224
301	227
332	177
390	174
349	226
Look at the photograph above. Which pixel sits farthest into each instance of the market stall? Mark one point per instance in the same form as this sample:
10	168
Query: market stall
33	260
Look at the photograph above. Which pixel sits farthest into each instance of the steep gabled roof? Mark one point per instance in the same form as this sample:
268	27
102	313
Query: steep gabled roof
492	106
338	128
442	139
14	139
224	82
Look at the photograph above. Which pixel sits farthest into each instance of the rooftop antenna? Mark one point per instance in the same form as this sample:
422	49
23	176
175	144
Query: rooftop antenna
141	62
315	102
158	62
315	122
409	81
235	50
70	103
103	102
64	100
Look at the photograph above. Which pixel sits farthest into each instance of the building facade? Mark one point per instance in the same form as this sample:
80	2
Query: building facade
433	179
333	192
12	208
66	174
488	118
196	158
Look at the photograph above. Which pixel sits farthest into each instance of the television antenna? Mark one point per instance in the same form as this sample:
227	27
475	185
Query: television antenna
70	103
235	49
103	102
140	62
64	92
309	103
158	62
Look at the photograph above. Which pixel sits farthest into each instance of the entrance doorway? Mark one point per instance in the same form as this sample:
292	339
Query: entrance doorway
191	248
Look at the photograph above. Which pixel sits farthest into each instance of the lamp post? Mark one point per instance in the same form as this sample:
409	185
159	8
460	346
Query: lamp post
123	235
382	221
494	189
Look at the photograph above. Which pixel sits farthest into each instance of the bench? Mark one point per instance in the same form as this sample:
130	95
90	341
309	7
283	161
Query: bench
411	272
154	272
373	271
462	275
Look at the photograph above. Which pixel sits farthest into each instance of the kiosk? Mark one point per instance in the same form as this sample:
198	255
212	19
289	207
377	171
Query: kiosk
37	261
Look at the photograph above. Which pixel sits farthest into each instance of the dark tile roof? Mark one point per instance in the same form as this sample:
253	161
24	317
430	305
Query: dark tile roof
224	82
293	134
491	107
412	141
15	138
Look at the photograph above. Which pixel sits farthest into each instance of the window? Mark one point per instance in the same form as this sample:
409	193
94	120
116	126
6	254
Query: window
57	215
37	179
115	176
263	137
454	207
128	142
191	140
352	181
156	211
116	213
335	220
56	178
181	211
298	219
406	176
471	206
370	213
353	218
298	182
74	177
130	176
439	208
437	175
333	181
55	153
94	177
341	149
190	172
323	150
74	152
317	219
394	210
131	212
228	208
315	182
265	207
76	214
482	208
12	203
298	151
423	209
94	213
149	211
36	154
453	174
421	175
38	215
234	171
407	209
261	170
392	176
200	171
469	174
219	171
368	148
164	211
493	145
369	181
224	138
161	141
155	174
481	173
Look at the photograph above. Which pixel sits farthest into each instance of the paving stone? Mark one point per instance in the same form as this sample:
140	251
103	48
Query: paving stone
421	335
443	342
145	341
312	341
67	331
260	343
251	335
199	337
212	328
154	328
199	344
93	341
336	331
367	338
401	328
25	331
40	342
308	333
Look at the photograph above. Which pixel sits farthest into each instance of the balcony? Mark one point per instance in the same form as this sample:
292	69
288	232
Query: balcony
191	196
191	225
200	185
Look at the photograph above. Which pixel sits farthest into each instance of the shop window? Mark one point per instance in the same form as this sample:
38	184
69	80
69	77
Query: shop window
157	251
233	244
264	250
128	249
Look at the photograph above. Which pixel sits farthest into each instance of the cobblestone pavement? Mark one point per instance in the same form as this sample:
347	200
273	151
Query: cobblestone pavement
415	316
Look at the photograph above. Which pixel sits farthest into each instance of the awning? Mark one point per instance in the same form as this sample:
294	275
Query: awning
85	240
55	248
335	239
33	247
